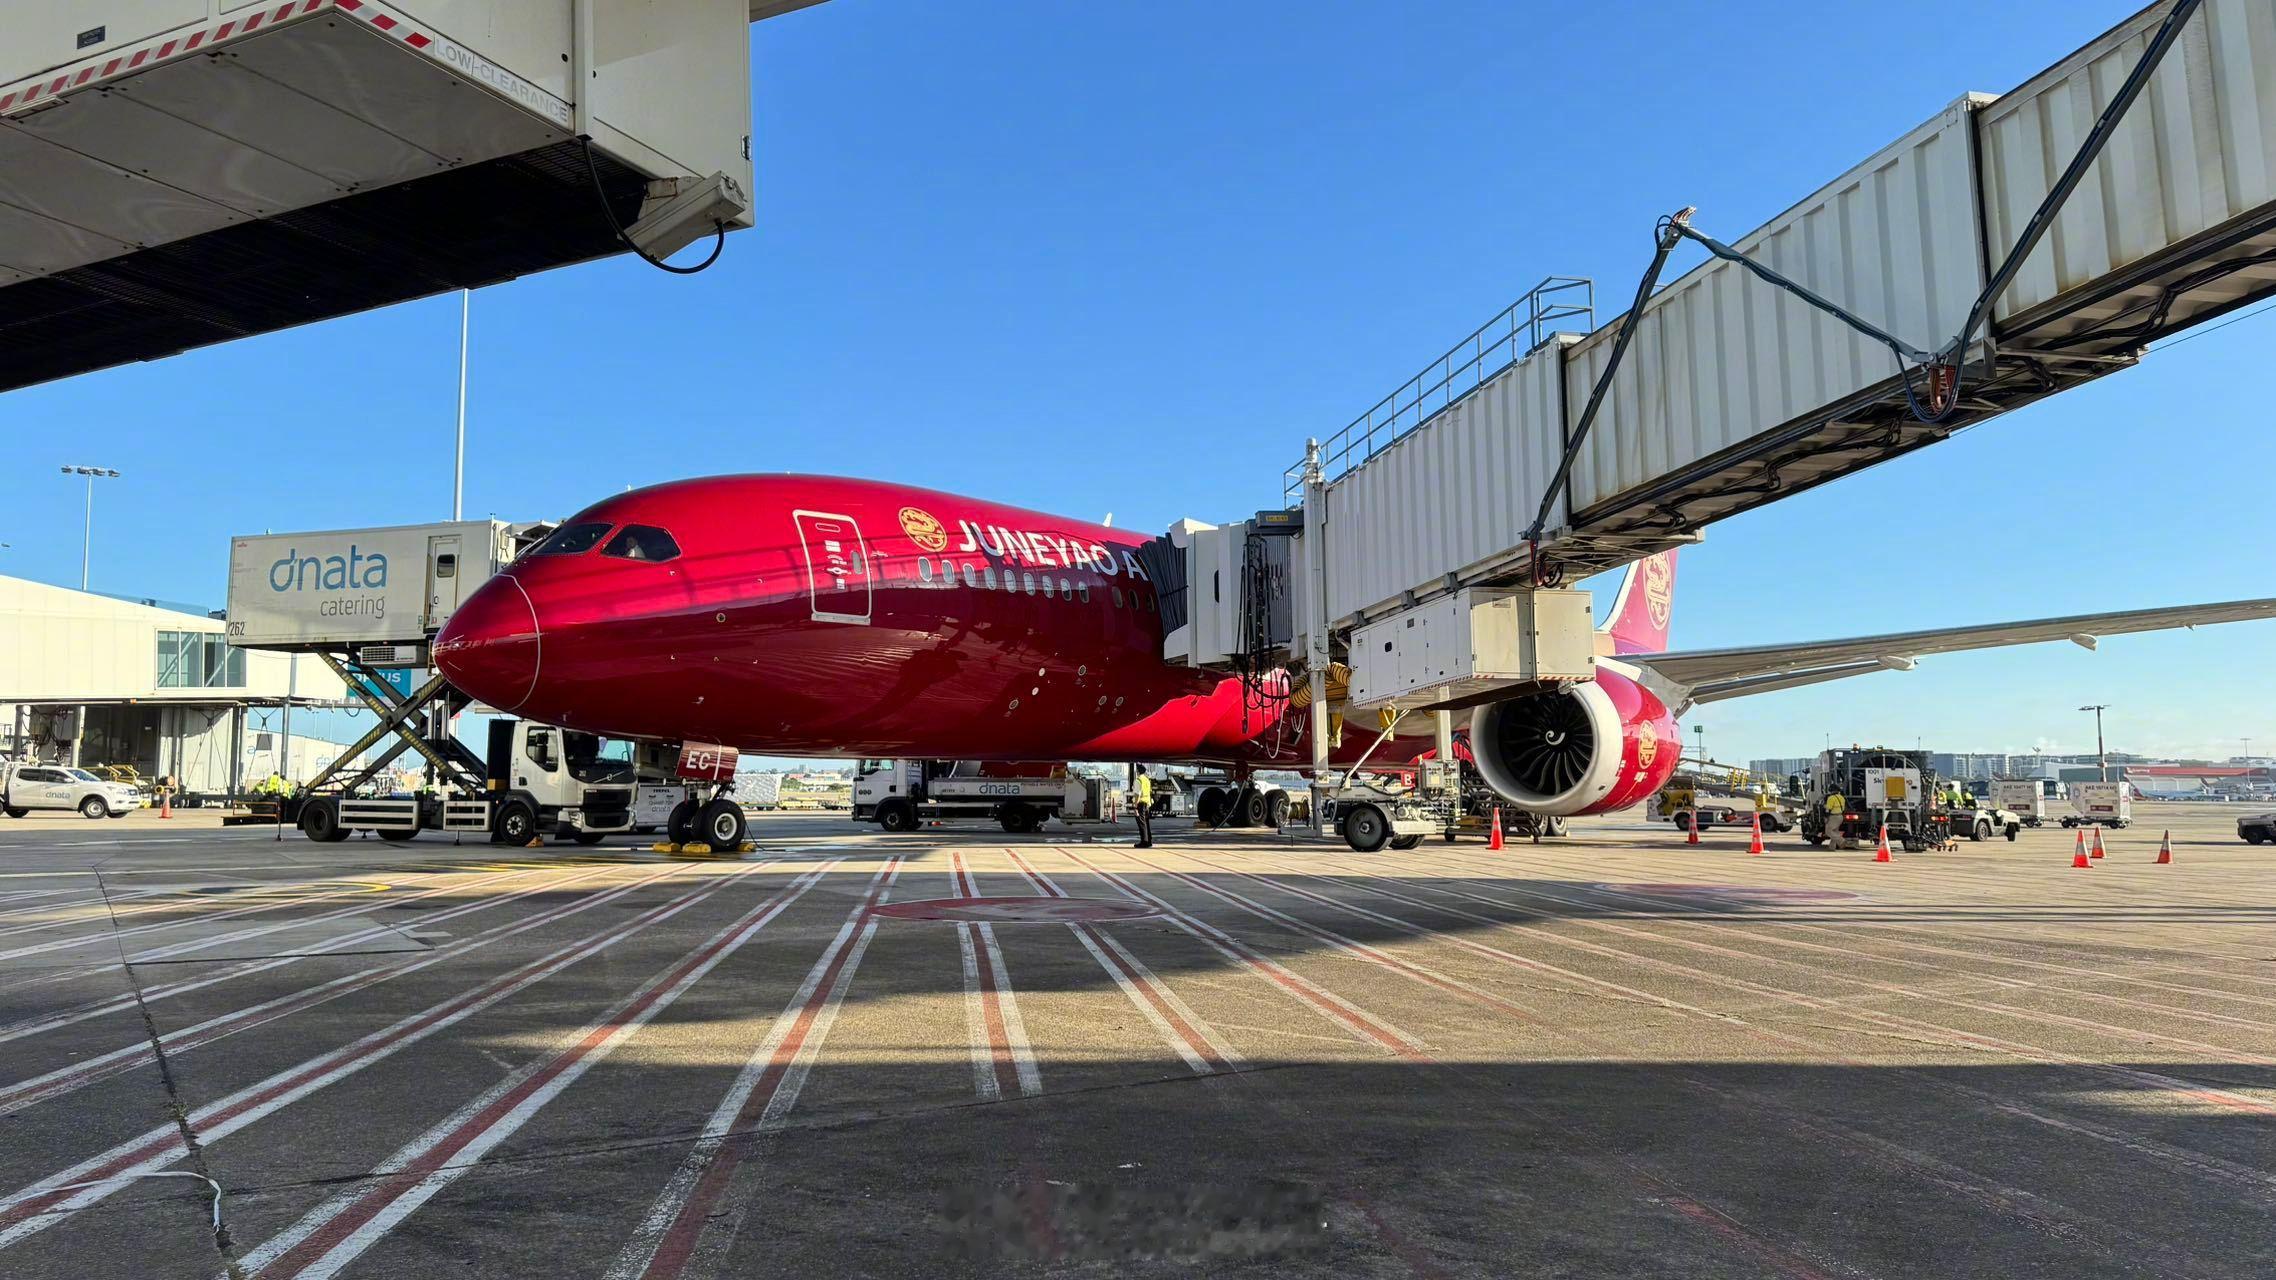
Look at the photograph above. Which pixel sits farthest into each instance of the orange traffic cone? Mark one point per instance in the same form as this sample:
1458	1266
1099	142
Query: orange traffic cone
1494	838
1754	844
2165	851
1881	853
2078	859
165	804
2097	843
1691	827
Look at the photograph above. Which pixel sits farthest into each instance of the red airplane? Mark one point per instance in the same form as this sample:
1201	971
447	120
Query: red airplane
792	615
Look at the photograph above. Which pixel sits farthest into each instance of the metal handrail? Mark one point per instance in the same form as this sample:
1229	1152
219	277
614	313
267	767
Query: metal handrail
1466	366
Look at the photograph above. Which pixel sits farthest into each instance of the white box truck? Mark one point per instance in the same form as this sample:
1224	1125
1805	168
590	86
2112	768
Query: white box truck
338	587
2109	804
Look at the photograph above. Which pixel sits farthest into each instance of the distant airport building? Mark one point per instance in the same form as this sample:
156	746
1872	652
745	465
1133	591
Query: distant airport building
87	679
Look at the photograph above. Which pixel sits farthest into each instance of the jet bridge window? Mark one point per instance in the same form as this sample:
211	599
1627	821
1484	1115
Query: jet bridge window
642	542
572	539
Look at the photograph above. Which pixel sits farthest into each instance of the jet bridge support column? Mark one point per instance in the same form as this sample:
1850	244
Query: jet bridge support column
1315	626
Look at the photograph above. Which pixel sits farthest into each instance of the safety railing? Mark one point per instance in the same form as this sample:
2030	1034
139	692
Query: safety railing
1469	364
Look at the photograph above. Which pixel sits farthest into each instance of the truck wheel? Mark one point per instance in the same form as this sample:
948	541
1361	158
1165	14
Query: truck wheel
398	833
721	825
15	811
1209	808
1365	828
590	837
2012	828
320	822
1983	829
1405	842
1276	810
1252	808
515	825
681	818
95	807
1018	819
897	815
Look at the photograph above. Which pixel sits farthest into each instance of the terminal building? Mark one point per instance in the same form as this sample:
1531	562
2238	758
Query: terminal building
88	679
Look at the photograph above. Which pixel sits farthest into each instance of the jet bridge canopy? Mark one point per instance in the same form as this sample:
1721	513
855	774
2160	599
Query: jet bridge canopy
175	173
1735	392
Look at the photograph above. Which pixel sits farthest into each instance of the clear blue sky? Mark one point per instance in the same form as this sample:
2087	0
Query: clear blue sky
1126	257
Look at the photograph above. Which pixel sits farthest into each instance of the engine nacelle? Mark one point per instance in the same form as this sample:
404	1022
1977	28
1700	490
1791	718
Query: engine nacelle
1591	747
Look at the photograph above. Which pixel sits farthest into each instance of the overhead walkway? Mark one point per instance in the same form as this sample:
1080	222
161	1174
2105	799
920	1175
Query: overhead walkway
2006	250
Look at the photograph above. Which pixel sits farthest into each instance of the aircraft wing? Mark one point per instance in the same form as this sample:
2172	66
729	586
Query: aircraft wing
1715	674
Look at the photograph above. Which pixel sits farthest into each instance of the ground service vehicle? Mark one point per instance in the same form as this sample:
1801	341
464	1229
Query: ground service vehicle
1982	822
903	795
2026	797
1880	787
2108	804
1724	815
1374	810
539	780
2258	828
26	787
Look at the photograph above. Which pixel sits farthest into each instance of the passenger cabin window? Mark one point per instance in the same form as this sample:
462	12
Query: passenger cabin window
971	578
925	569
572	539
642	542
1048	593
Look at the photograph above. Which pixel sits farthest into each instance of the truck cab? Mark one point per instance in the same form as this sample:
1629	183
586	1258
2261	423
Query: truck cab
581	785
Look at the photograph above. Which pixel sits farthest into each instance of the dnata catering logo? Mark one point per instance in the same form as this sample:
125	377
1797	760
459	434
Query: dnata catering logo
1659	589
923	529
354	571
1647	744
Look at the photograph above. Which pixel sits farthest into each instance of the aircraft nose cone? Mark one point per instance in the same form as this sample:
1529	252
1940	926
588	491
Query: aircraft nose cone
489	648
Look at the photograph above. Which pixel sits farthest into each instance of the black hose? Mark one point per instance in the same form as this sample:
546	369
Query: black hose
593	171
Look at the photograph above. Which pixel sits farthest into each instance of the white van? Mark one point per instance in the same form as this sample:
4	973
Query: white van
56	786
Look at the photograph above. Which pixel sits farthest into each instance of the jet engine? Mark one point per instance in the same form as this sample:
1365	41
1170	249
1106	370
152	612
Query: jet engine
1588	747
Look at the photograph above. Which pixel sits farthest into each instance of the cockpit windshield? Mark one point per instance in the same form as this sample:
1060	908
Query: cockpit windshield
572	539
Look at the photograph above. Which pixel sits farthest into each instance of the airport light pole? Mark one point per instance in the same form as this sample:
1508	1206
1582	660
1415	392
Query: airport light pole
458	468
2101	760
87	540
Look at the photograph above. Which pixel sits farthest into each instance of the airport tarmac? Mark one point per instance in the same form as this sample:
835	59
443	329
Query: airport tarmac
1232	1054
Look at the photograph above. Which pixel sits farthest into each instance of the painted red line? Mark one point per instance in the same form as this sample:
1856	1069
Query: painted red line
992	1014
1332	1006
367	1207
165	1144
1137	980
679	1240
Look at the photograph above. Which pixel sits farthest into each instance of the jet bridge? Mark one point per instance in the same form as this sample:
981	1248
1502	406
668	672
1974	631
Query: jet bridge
175	173
2007	249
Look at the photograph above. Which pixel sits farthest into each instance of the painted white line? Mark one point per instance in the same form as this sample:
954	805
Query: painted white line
770	1080
338	1231
42	1204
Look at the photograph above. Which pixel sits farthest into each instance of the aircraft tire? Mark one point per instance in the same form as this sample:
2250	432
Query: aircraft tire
1250	808
678	822
721	825
1276	810
1210	806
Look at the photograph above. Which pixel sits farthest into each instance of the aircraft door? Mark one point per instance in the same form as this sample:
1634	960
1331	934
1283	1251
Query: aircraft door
837	566
442	580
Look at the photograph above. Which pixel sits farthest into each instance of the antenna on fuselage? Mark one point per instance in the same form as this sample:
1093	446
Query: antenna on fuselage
1109	521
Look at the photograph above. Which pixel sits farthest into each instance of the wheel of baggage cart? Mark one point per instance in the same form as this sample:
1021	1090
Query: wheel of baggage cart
1365	828
1983	829
1405	842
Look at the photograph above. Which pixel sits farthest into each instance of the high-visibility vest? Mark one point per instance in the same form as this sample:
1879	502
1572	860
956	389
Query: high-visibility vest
1145	789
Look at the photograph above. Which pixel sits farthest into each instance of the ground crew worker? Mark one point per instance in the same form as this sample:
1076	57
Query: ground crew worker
1835	803
1142	808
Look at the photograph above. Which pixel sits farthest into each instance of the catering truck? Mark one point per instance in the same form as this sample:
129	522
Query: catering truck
538	780
394	584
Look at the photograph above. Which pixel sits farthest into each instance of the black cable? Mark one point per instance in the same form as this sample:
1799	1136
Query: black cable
718	244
